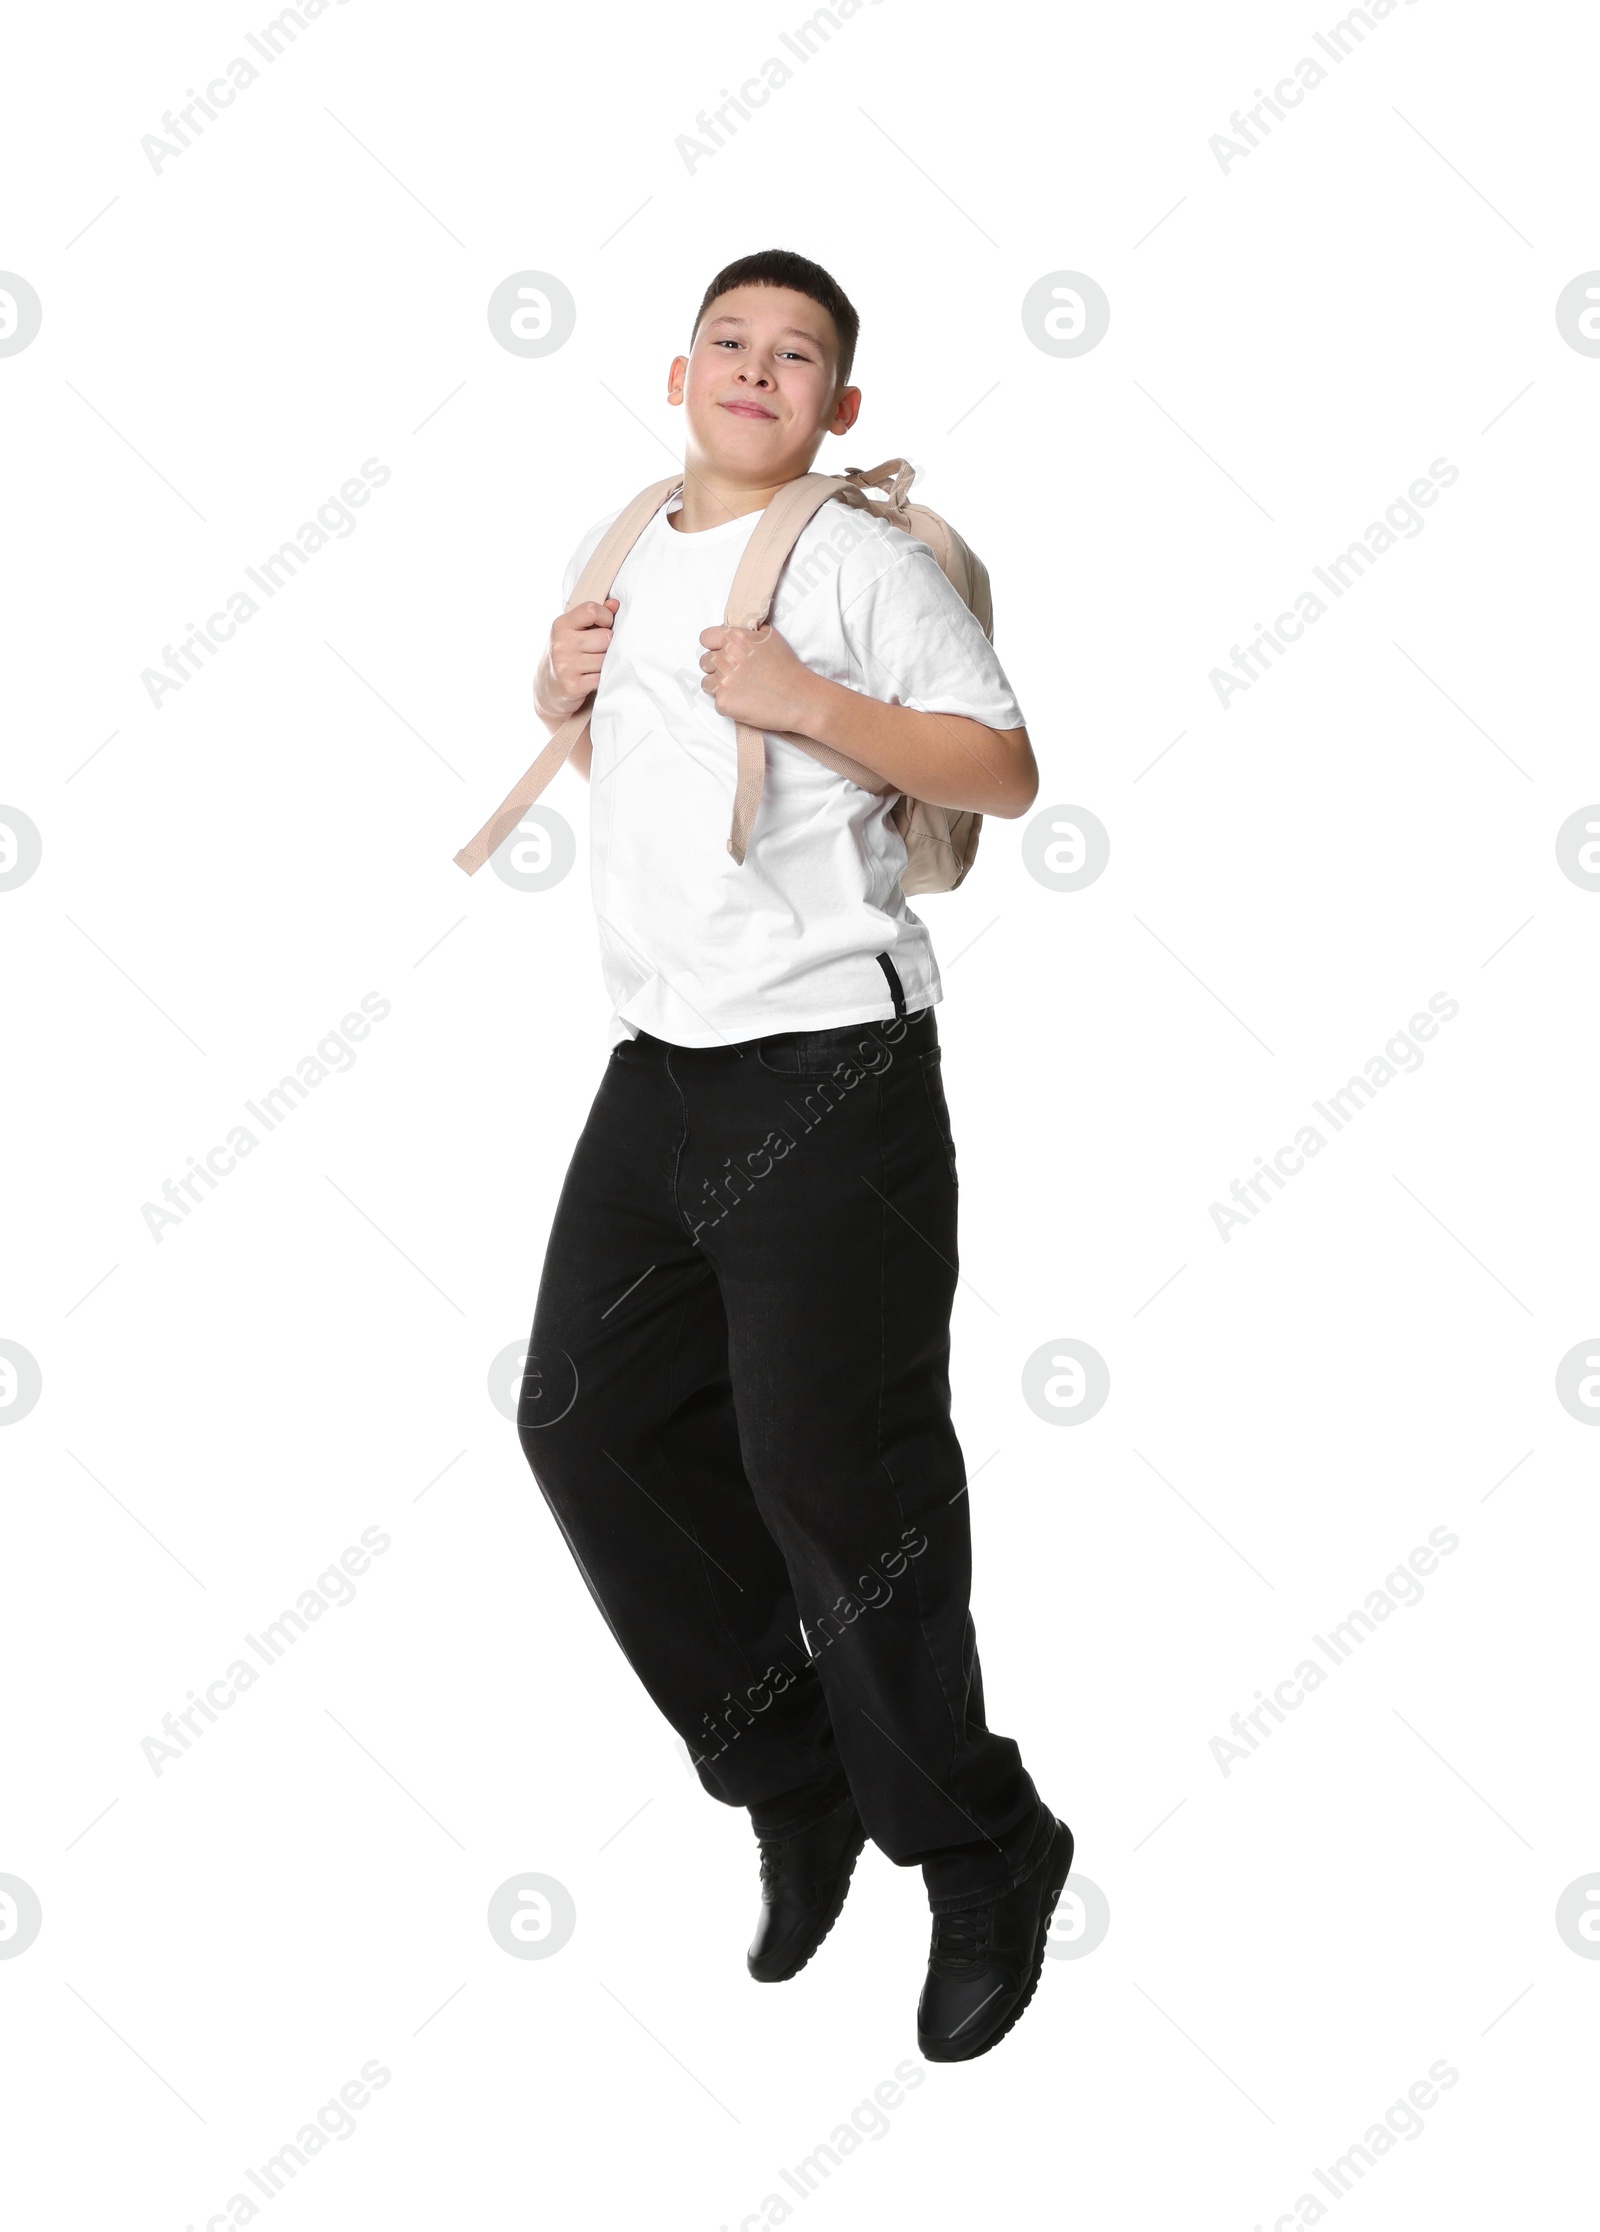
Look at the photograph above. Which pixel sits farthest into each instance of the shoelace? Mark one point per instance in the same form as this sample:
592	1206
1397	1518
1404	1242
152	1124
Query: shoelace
962	1937
771	1864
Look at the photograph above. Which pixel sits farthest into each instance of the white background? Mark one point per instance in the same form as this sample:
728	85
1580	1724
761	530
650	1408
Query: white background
307	1353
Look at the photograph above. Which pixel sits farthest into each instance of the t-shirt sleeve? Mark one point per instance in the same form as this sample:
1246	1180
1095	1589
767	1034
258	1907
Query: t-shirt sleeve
913	640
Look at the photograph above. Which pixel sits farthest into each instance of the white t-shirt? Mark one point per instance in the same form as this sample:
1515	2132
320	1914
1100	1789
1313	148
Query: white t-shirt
695	948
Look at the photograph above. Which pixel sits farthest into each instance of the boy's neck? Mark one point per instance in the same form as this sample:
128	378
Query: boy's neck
709	500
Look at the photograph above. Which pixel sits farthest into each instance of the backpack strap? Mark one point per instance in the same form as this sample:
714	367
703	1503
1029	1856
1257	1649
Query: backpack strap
749	602
893	477
593	585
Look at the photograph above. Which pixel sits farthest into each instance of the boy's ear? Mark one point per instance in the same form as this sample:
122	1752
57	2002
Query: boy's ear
677	373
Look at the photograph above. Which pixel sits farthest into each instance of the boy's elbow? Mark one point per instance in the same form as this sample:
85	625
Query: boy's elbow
1022	777
1028	792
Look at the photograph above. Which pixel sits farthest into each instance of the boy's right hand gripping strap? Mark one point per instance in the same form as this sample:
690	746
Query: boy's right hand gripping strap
749	602
593	585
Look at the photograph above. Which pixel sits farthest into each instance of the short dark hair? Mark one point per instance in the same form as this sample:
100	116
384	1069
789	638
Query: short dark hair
780	267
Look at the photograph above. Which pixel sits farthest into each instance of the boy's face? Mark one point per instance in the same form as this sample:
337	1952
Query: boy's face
759	387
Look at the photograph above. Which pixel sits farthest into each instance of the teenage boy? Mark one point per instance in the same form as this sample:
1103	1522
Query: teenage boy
737	1401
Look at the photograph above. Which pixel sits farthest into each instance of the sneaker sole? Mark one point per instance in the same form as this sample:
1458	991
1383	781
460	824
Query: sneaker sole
1058	1868
853	1853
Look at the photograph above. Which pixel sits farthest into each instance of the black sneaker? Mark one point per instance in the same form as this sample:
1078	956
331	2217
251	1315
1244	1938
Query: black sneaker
804	1878
984	1962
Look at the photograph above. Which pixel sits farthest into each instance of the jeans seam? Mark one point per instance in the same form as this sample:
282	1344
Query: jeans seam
683	1138
894	1486
956	1725
930	1067
719	1617
705	1577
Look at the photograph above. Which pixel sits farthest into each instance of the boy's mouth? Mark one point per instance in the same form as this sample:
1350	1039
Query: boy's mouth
749	410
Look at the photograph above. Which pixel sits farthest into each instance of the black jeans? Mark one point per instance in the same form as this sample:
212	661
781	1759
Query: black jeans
737	1405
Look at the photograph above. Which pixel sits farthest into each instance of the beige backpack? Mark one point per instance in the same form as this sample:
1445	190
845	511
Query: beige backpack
940	841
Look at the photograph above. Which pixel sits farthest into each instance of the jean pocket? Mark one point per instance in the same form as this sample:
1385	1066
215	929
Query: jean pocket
933	1082
824	1053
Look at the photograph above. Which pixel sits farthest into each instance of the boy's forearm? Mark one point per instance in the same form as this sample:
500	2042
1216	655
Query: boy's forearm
941	757
544	689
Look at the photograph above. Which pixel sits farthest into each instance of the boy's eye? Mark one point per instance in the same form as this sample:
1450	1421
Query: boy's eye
728	341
